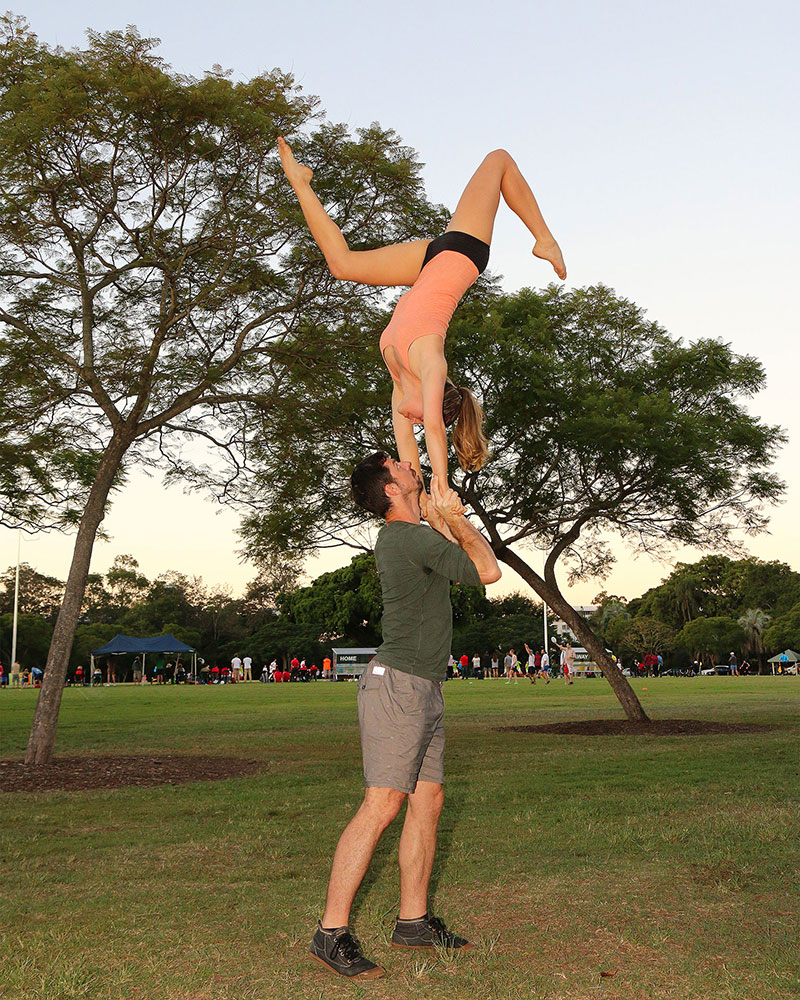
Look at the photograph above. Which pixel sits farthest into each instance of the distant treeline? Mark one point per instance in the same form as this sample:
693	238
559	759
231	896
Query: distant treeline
704	610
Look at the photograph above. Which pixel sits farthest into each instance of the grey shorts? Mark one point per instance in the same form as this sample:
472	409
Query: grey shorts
402	728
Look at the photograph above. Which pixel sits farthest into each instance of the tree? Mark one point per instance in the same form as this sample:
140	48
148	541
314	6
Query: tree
641	636
599	422
38	594
718	585
345	603
33	638
125	585
754	621
157	282
711	638
784	631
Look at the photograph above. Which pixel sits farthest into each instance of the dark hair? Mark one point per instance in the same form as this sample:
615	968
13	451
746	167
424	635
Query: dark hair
469	440
368	482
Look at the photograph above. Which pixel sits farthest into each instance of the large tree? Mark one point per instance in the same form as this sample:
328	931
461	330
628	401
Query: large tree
157	283
600	423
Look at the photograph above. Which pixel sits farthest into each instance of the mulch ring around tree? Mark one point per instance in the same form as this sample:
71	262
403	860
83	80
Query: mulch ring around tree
74	774
656	727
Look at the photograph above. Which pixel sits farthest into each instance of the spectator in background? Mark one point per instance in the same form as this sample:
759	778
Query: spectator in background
733	663
137	669
236	666
476	665
247	663
79	675
463	663
495	668
326	668
215	674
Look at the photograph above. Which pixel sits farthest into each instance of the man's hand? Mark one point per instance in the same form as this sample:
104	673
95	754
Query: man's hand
433	517
446	501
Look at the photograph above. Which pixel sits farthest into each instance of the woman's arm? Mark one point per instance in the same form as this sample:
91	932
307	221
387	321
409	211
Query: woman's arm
407	448
433	373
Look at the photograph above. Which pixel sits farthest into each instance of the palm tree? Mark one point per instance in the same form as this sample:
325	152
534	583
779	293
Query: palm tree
687	589
753	622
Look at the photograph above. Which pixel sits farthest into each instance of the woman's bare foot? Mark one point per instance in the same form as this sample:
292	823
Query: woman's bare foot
296	172
550	250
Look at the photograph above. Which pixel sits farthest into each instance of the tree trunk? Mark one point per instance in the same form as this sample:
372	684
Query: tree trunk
45	719
554	599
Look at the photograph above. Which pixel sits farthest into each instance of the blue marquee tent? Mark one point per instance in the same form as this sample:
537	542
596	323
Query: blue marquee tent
122	644
153	644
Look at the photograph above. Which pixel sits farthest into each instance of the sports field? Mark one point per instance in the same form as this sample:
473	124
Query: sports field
671	862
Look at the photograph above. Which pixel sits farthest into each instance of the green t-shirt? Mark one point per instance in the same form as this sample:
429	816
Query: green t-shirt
416	566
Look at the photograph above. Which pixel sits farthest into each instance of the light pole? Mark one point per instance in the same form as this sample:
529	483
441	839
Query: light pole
16	604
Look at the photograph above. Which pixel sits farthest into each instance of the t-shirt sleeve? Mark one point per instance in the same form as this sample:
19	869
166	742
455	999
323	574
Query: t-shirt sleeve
430	550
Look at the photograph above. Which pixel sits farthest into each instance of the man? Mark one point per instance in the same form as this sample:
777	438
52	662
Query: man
733	663
248	668
532	665
400	706
567	660
236	666
507	661
326	668
545	666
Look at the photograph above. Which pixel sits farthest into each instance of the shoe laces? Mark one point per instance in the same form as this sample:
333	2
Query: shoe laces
348	947
437	925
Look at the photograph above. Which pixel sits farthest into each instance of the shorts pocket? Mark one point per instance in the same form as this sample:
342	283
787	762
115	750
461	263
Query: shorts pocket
374	676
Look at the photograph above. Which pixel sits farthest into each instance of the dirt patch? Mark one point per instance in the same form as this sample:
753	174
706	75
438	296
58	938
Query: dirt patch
657	727
78	773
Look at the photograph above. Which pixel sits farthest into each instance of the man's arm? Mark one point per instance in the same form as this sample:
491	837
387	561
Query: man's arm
466	536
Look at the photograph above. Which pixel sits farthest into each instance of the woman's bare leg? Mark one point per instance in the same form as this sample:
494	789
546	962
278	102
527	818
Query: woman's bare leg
477	207
398	264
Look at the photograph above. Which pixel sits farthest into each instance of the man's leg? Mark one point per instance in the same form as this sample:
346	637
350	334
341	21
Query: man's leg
355	849
417	848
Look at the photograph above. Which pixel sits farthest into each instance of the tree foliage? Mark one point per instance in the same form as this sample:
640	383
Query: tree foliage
712	638
600	423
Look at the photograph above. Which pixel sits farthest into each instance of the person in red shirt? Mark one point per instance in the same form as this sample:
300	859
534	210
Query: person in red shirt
463	663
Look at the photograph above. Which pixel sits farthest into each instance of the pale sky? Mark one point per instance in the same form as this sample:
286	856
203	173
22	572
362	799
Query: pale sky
661	139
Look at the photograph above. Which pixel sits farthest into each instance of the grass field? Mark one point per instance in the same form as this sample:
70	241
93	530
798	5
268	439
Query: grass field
672	860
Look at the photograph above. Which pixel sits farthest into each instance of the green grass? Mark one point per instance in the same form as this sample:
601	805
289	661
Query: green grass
672	860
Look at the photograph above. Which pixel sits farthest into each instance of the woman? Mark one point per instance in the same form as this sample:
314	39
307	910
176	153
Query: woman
439	271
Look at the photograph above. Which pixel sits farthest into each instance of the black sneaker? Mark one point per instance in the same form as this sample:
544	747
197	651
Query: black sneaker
340	952
428	932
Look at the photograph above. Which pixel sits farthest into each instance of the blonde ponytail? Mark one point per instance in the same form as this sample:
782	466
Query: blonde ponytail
469	440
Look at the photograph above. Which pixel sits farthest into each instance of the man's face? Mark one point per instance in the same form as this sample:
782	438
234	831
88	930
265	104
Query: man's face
405	476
